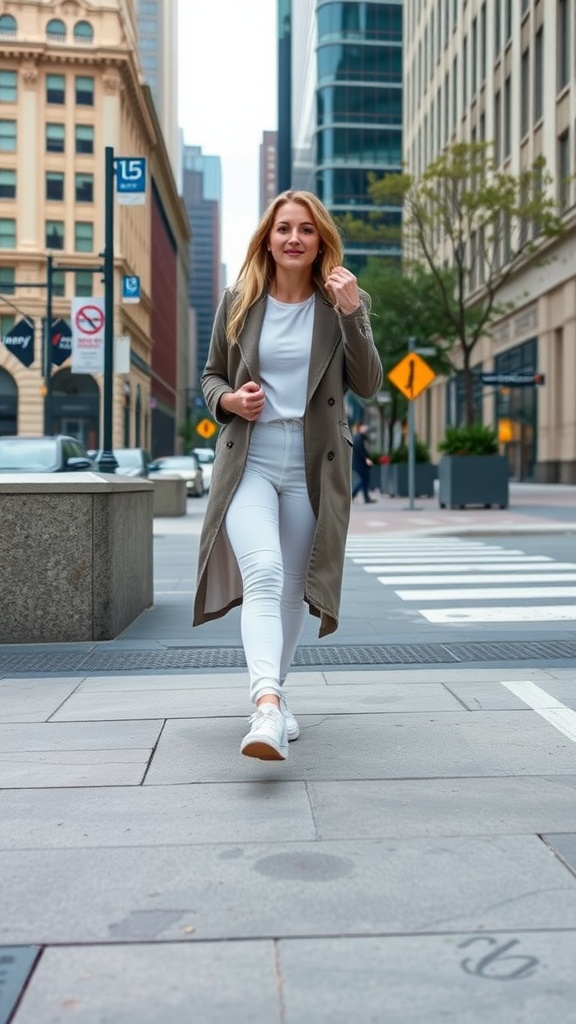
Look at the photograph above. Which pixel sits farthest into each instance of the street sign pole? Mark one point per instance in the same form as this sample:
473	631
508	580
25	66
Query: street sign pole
47	349
107	462
411	443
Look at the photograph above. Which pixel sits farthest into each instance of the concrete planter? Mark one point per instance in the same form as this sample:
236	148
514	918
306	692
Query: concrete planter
76	556
424	476
473	480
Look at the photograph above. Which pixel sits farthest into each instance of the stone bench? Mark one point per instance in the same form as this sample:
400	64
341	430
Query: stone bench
75	556
170	495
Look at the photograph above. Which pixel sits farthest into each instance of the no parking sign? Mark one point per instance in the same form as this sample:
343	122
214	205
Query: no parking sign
87	335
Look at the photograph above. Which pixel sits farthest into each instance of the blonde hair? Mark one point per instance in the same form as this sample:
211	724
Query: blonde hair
258	269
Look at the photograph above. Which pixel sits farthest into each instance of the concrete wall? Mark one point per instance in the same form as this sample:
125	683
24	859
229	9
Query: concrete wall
75	556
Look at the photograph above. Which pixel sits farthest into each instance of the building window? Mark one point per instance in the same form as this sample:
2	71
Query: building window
83	31
84	91
563	48
148	25
7	233
56	29
483	42
55	89
148	7
525	93
497	27
564	171
538	74
508	20
7	184
83	283
54	234
54	138
8	25
8	86
54	185
84	135
498	128
7	277
58	283
7	136
84	188
83	236
507	117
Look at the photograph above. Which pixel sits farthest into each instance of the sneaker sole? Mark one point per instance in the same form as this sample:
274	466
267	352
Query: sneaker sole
293	735
264	751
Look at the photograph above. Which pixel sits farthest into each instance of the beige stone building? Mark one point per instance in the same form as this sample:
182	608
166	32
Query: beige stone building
504	71
70	85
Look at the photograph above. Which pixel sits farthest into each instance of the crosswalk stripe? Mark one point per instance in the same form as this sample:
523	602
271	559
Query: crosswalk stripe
552	710
467	578
450	616
484	593
476	565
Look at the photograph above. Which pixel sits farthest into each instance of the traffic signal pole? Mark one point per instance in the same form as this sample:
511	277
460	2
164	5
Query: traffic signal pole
107	461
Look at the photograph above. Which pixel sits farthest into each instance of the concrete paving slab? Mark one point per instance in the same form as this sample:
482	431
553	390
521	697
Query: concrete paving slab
33	700
79	736
104	704
235	890
375	746
212	983
508	978
451	674
435	807
156	816
496	697
185	681
565	845
73	768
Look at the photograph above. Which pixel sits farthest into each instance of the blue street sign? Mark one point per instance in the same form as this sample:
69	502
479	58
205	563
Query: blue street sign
131	289
131	179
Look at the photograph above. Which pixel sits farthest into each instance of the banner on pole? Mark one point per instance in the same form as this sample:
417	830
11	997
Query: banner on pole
87	335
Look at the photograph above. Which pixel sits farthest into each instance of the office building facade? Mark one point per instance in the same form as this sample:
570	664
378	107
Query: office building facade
70	86
202	194
157	24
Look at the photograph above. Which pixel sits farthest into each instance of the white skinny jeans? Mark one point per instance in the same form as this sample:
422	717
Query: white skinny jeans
270	525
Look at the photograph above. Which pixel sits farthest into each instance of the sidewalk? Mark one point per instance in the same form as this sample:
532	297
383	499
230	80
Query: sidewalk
533	508
413	862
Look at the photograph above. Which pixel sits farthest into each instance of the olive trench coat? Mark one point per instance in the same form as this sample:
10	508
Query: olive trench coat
343	356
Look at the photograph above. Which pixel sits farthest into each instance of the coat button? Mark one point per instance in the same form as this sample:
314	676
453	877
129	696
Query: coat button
330	456
331	401
229	444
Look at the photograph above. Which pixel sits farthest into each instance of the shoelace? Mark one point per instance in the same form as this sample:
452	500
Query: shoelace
263	712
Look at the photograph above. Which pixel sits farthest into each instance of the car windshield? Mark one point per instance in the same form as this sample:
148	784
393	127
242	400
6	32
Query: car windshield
176	462
129	457
30	455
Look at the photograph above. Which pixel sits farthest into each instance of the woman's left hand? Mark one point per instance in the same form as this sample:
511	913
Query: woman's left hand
343	289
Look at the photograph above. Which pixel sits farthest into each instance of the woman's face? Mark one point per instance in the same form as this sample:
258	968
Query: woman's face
294	239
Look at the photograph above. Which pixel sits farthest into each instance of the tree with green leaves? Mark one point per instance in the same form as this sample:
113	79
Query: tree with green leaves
466	216
405	304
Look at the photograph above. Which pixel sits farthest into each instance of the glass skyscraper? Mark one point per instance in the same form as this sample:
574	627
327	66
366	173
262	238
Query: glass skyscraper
347	106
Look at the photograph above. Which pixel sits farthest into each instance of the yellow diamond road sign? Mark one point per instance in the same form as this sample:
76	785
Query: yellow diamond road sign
411	375
206	428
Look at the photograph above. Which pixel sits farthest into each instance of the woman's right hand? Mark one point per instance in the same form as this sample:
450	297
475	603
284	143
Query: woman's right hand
247	401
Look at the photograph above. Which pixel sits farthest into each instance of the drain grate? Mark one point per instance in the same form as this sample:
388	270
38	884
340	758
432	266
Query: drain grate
16	963
207	658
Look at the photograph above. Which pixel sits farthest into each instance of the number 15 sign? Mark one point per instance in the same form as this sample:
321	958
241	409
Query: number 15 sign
131	180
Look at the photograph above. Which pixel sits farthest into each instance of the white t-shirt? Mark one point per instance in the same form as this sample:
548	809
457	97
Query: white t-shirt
284	351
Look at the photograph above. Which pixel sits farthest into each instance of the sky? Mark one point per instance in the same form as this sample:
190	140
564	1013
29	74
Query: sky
227	77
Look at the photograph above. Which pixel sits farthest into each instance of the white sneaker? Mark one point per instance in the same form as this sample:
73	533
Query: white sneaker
292	727
268	738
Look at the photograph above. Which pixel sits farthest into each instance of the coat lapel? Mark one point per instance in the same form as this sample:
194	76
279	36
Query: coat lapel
249	338
324	341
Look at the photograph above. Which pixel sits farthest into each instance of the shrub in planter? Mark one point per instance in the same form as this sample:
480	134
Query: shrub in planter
424	471
471	472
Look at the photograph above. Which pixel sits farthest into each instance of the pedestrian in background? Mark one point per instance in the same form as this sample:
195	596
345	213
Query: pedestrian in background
289	338
361	463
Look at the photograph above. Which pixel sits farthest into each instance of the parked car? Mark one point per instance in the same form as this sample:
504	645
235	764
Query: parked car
132	461
205	457
186	466
58	454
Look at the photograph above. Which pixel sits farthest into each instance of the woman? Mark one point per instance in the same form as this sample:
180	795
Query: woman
288	340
